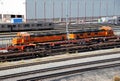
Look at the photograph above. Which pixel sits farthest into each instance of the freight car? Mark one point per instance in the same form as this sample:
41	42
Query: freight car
13	27
26	42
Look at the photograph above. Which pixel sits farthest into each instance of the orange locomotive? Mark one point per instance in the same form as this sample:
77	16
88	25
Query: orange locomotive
104	31
25	41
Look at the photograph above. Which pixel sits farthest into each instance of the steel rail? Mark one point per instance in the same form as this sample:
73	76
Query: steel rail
68	73
86	66
56	51
56	60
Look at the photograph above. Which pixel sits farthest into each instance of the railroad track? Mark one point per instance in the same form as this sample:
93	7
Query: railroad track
56	60
49	76
63	68
13	56
74	49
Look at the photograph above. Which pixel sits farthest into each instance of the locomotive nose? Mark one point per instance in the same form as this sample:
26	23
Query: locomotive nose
15	41
106	28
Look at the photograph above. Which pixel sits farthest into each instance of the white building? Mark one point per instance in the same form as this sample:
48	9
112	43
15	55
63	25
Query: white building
12	9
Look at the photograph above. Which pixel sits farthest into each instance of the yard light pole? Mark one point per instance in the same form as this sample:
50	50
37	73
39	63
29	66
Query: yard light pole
67	23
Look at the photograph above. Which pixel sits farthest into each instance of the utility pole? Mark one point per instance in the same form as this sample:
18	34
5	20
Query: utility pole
67	23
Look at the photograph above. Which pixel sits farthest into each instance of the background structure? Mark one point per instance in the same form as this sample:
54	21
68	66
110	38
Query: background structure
43	9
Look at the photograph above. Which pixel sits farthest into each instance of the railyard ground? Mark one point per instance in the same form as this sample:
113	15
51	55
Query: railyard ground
107	74
95	75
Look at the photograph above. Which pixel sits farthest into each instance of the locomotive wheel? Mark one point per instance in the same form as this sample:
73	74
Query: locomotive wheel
12	50
29	49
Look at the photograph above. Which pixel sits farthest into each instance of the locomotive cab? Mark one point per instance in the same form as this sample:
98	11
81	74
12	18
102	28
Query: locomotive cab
108	30
22	38
21	43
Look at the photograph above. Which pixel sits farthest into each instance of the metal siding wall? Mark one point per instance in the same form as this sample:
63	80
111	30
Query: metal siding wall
107	8
30	9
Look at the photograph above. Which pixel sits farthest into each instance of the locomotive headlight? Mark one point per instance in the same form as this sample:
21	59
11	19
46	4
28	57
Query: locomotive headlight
106	33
